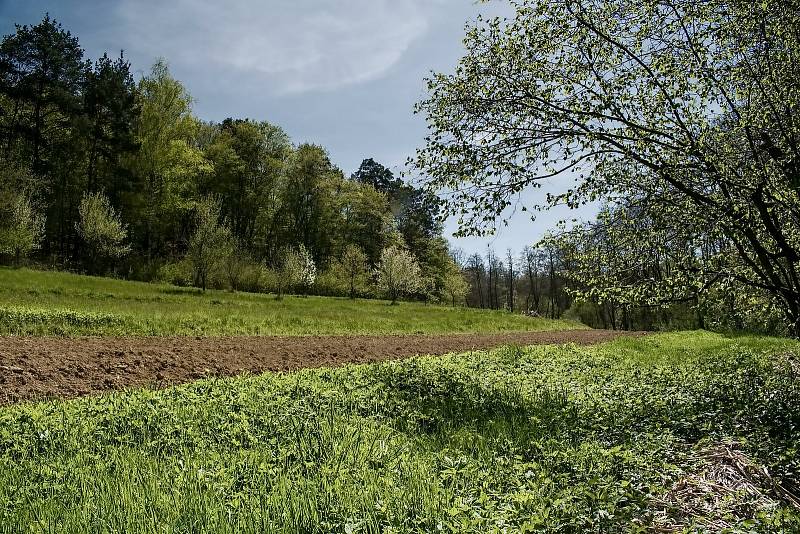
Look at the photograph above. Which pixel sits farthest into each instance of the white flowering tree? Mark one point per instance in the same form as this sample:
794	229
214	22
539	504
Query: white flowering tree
398	273
307	269
297	270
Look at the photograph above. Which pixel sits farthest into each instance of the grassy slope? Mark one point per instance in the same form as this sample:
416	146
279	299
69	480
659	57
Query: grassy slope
33	302
548	438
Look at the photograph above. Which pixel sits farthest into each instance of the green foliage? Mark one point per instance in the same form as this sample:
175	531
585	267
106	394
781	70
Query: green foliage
541	439
22	228
679	112
156	310
177	273
352	267
454	284
248	158
101	228
76	127
167	164
210	245
110	111
41	68
21	320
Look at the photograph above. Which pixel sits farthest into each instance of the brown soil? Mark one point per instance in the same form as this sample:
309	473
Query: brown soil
45	367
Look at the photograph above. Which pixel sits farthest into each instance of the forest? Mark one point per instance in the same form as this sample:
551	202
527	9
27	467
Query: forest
105	174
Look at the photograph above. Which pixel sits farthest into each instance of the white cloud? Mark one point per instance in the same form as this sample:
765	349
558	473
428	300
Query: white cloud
295	45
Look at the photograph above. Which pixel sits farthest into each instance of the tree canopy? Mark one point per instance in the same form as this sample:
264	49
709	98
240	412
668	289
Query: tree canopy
680	111
107	163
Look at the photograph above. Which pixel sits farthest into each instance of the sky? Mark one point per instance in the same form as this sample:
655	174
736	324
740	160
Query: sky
344	74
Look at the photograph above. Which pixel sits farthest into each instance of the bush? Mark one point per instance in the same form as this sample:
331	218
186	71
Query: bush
268	280
22	227
250	279
177	273
101	229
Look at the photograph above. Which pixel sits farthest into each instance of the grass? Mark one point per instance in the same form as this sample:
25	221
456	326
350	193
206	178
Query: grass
558	439
53	303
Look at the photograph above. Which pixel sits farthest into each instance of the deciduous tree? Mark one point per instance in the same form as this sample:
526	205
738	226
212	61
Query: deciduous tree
353	266
22	226
210	241
688	108
398	273
101	228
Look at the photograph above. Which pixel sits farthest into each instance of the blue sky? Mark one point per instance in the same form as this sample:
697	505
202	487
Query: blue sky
344	74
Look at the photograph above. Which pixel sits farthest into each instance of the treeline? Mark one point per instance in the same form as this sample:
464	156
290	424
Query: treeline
104	173
626	269
596	273
531	282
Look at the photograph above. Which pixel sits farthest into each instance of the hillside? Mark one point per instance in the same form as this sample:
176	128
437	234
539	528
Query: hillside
53	303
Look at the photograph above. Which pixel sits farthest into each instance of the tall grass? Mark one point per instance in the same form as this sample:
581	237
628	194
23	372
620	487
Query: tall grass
38	303
559	439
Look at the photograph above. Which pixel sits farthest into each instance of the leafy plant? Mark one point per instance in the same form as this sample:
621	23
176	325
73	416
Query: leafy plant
101	227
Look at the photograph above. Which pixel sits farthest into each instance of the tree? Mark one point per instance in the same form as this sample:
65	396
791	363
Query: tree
22	228
209	243
398	273
248	159
607	267
288	267
531	263
364	218
307	269
455	284
41	73
353	265
376	175
510	263
101	229
235	262
168	164
477	269
41	69
686	108
415	212
110	109
311	182
296	270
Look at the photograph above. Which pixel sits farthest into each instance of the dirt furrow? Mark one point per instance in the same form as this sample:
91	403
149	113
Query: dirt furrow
45	367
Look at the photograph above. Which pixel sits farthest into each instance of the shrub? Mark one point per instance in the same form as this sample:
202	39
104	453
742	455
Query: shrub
22	227
177	273
100	228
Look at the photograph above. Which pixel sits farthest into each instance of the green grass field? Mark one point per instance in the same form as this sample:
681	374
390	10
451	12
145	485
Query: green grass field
559	439
52	303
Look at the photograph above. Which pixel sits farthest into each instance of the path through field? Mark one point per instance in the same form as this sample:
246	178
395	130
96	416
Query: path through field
45	367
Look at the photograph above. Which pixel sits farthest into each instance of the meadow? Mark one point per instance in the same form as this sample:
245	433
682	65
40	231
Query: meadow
549	438
63	304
